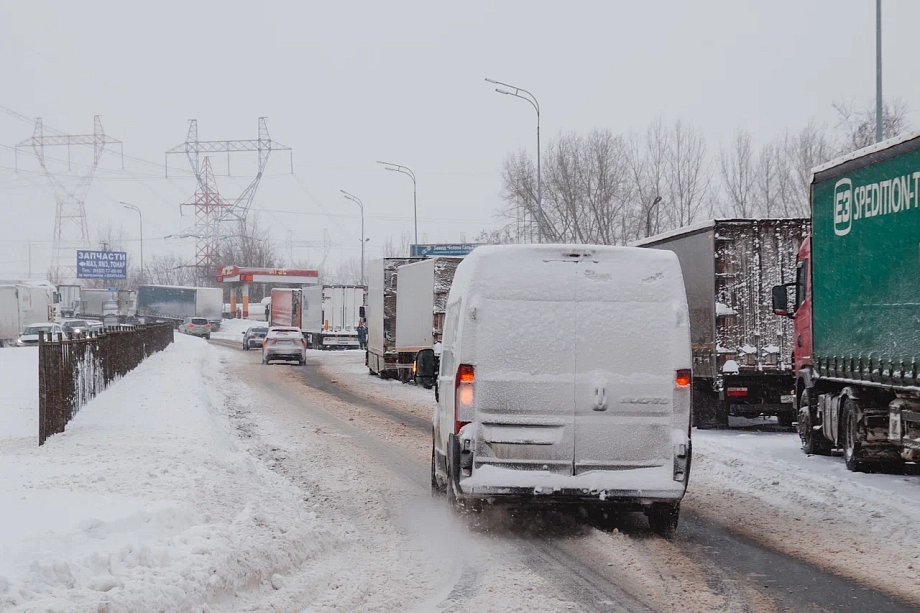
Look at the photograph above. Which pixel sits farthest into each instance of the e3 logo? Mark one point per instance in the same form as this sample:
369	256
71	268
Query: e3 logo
843	207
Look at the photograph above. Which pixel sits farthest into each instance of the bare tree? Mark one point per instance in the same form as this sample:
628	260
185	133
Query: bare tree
856	124
766	188
648	160
688	176
737	166
169	269
798	154
401	249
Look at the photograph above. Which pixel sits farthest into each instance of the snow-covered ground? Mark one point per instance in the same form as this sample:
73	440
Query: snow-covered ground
865	526
19	389
232	329
148	501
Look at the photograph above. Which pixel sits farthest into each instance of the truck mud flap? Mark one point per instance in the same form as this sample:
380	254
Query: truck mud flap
453	461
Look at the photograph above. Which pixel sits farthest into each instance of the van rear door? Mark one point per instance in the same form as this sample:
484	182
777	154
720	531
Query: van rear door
524	331
626	324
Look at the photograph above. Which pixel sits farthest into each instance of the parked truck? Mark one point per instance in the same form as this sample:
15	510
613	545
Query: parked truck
420	305
21	305
287	307
857	309
380	315
68	303
741	353
174	303
331	314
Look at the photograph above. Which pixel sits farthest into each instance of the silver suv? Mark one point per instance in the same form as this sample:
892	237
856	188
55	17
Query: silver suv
196	326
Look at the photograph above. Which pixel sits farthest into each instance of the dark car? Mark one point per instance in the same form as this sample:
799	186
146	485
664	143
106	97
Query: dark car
253	337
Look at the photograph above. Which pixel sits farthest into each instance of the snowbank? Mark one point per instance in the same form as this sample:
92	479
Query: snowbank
19	403
148	501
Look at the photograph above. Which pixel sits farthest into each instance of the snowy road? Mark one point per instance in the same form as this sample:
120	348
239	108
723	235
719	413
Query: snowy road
369	442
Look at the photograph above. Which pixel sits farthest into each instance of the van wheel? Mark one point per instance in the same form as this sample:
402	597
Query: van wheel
662	518
852	449
813	442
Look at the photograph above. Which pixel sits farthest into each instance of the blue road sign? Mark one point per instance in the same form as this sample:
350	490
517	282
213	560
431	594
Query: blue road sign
102	264
448	250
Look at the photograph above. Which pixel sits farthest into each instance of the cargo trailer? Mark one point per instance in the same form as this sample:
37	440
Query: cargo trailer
741	352
380	315
856	309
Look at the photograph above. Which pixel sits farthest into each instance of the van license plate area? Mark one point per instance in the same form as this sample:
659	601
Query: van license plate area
787	399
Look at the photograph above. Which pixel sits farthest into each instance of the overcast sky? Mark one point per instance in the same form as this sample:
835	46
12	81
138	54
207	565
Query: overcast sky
348	83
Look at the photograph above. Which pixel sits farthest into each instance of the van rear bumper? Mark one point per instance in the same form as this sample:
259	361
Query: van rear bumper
537	495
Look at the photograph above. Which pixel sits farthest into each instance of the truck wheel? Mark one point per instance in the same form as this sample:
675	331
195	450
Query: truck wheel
813	441
663	517
785	419
852	449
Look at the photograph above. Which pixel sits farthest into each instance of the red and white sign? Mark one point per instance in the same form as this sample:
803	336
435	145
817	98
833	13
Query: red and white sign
286	276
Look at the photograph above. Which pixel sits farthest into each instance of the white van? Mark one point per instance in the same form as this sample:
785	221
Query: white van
565	377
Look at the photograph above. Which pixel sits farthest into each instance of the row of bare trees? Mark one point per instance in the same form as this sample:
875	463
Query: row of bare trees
608	188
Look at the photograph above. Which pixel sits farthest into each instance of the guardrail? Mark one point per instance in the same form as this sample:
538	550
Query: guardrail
71	371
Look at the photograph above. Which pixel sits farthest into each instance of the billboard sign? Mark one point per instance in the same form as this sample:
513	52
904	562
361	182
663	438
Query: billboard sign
102	264
447	250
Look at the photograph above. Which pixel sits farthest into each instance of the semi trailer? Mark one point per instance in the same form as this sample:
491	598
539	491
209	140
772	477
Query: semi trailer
856	309
741	352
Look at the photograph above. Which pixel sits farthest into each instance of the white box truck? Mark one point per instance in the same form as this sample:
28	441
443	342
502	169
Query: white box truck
22	305
380	314
331	314
421	303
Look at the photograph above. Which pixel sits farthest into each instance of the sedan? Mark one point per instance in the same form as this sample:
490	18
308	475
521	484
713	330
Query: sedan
29	336
253	337
285	344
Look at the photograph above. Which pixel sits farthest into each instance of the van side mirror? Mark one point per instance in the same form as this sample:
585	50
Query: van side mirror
780	301
426	370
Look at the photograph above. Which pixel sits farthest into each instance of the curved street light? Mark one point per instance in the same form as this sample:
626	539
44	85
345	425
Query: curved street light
523	94
360	204
406	171
134	208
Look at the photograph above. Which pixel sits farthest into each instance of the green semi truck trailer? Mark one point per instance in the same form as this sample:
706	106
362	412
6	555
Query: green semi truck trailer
856	309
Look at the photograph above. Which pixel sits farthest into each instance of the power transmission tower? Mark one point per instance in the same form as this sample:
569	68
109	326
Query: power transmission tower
70	228
209	206
238	208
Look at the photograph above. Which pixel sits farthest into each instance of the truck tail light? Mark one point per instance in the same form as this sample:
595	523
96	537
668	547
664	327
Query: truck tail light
736	392
464	393
683	378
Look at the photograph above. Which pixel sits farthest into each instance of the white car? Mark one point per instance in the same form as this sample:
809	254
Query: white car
196	326
284	343
565	378
29	336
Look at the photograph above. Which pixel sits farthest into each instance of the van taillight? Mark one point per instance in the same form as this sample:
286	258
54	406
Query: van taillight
464	394
683	378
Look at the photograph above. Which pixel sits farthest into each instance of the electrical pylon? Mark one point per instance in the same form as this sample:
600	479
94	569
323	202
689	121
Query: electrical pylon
209	207
238	209
70	228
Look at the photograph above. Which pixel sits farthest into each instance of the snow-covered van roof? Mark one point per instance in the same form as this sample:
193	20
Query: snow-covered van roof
517	269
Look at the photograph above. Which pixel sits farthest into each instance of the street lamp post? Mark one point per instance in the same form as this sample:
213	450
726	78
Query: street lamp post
523	94
360	204
878	72
411	175
141	217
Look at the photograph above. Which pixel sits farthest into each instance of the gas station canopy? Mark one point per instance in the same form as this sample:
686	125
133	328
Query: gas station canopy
286	276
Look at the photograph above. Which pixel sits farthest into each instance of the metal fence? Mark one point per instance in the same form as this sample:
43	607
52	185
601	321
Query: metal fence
73	371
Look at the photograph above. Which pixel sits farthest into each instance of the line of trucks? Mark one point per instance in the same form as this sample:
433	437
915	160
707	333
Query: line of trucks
328	315
839	361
